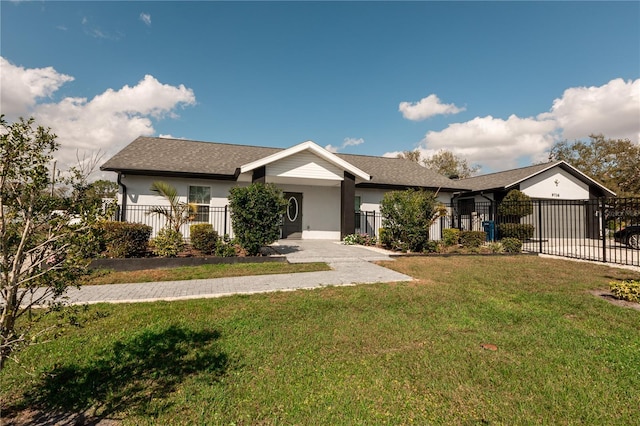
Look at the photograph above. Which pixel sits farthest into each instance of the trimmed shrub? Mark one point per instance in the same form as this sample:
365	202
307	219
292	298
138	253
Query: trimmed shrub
167	243
386	239
204	238
256	215
521	231
450	236
124	239
432	247
472	239
626	290
511	245
407	215
226	249
514	205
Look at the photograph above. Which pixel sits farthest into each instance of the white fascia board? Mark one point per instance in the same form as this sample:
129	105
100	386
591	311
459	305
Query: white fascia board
315	148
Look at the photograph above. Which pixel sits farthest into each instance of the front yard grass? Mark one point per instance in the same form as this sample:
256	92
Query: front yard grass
398	353
201	272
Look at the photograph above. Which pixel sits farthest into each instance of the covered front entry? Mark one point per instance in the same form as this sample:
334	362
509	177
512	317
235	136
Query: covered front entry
292	223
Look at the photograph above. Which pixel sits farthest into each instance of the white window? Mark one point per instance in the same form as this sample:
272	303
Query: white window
201	197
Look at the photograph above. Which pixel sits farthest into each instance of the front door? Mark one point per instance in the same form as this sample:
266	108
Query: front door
292	224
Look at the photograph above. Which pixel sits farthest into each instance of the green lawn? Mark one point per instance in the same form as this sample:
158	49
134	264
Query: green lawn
406	353
220	270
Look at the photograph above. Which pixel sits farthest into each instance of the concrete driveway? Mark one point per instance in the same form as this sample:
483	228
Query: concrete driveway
350	265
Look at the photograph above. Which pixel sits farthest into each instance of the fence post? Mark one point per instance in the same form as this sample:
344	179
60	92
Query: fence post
225	219
603	226
539	226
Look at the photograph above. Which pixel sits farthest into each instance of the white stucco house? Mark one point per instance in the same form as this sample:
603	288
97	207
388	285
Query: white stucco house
324	189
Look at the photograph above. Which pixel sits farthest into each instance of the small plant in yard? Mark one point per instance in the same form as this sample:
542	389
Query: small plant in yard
511	245
450	236
204	238
626	290
168	243
472	239
361	239
495	247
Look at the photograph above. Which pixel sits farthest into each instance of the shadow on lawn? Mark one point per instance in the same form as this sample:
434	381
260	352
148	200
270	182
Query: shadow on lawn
129	375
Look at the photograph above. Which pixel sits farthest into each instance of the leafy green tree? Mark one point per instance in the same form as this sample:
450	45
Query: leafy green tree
178	212
407	216
43	249
444	162
450	165
256	215
615	163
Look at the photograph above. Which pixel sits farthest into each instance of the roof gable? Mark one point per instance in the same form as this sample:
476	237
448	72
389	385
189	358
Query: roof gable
511	178
310	147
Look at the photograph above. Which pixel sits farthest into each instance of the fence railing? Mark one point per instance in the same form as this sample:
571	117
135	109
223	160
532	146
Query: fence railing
219	217
582	229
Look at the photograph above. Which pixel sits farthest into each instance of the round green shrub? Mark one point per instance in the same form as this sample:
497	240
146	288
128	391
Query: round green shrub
450	236
521	231
204	238
167	243
123	239
511	245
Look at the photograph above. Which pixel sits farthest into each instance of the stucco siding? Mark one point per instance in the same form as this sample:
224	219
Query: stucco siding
555	184
320	210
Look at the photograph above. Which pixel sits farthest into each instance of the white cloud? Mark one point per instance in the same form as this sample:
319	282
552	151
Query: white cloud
22	87
105	123
347	142
493	142
146	18
612	109
426	107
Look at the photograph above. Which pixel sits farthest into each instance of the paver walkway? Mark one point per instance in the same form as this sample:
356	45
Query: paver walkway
350	265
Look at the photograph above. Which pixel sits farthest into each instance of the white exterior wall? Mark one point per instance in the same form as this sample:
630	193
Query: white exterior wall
555	184
371	198
320	204
320	211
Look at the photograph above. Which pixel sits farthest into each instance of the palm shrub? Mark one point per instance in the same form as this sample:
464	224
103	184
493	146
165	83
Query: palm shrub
177	213
407	216
256	213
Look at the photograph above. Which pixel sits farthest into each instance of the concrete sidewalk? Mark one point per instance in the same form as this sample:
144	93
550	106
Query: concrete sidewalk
350	265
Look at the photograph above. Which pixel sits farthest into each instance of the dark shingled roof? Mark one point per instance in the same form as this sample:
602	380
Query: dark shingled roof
510	178
147	155
502	180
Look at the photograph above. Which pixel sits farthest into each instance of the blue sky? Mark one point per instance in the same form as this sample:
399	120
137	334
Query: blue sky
495	82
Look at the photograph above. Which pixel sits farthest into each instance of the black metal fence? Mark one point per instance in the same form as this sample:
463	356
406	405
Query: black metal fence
219	217
605	230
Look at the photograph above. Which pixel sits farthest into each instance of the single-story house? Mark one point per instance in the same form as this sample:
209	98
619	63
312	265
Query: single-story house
324	189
